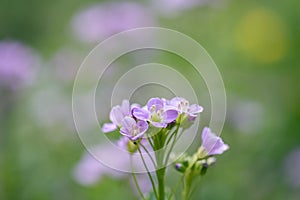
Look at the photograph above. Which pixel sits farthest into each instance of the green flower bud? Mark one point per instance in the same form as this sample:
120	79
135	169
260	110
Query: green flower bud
132	146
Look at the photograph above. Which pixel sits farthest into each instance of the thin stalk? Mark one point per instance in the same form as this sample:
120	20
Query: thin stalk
151	143
169	139
161	169
194	188
148	172
175	188
172	145
135	180
186	190
151	158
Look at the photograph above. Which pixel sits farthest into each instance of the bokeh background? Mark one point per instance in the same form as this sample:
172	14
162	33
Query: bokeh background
255	44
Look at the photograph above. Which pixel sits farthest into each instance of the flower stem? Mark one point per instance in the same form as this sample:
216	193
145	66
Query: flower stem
186	187
160	173
175	188
135	180
148	172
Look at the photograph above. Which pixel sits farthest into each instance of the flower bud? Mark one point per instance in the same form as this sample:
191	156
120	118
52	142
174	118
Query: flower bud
211	161
132	146
179	167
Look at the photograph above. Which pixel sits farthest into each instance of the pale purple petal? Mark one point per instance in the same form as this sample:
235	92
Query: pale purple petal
159	124
135	105
127	125
212	143
116	115
191	118
125	108
170	116
195	109
140	114
176	100
143	127
205	132
219	147
108	127
157	102
166	101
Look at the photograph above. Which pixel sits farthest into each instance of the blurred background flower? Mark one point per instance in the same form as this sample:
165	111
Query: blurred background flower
97	22
255	45
292	166
17	64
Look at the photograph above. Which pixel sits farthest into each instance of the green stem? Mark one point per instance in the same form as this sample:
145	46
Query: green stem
160	169
189	176
135	180
196	185
175	188
187	186
172	145
148	172
160	173
148	153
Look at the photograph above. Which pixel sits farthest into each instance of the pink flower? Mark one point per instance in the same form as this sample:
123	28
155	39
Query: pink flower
103	20
211	143
17	63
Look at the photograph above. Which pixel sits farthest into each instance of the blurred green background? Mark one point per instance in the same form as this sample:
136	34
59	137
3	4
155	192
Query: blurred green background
255	44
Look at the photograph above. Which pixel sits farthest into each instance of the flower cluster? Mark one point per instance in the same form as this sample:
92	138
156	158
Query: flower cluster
158	125
195	166
134	120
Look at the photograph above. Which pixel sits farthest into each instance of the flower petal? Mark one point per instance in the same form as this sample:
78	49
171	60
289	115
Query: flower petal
205	132
159	124
195	109
125	107
116	115
212	143
140	114
127	125
218	148
143	128
108	127
170	116
157	102
128	122
176	101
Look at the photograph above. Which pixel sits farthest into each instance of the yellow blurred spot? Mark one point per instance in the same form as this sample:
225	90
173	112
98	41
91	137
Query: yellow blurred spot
262	36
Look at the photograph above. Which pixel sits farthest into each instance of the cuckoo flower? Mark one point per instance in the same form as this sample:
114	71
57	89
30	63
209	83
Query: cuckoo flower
17	64
116	116
211	144
100	21
132	129
156	113
183	106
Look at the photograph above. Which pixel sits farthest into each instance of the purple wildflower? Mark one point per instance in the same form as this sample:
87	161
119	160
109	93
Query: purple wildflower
132	129
103	20
90	170
211	143
17	64
156	113
183	106
174	7
116	116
